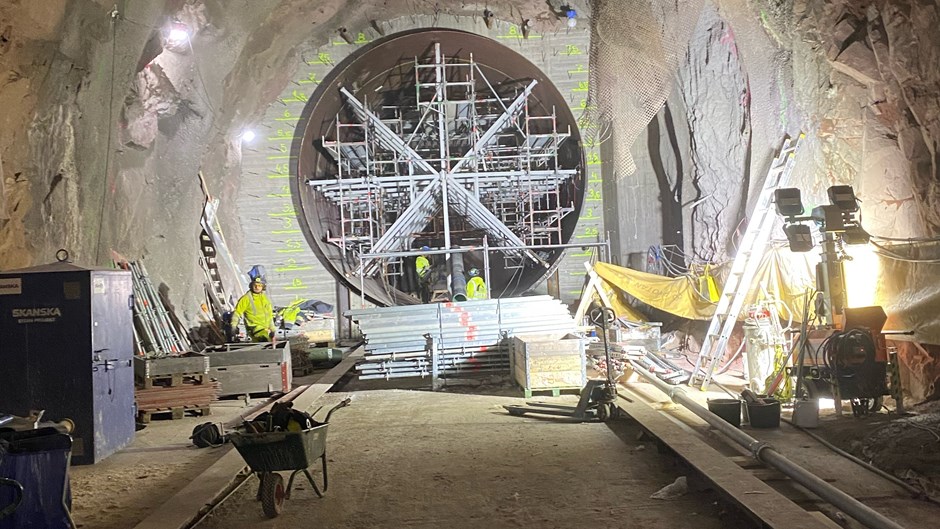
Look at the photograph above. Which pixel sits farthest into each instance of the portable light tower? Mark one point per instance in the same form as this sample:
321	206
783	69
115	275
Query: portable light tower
845	356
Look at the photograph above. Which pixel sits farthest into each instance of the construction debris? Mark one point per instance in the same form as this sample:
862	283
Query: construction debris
677	488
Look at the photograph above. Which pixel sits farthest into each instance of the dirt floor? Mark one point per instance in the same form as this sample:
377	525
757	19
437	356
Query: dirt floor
907	446
121	490
411	458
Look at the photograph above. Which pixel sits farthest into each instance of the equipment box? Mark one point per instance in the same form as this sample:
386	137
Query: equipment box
548	362
169	366
66	344
242	369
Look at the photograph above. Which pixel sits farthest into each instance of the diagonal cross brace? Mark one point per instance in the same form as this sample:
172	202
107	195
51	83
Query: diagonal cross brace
482	218
385	135
415	218
501	122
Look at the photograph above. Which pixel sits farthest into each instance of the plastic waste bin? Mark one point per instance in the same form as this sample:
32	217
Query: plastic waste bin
39	461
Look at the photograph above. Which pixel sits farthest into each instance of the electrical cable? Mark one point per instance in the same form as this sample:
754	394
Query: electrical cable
887	252
202	81
107	159
905	239
731	360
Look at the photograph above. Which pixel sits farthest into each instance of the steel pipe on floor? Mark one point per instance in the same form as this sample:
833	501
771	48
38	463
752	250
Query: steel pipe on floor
765	453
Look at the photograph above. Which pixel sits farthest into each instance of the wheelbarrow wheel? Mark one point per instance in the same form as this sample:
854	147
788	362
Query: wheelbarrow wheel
272	494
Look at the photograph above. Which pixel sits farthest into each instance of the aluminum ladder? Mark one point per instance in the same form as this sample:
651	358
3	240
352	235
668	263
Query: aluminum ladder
744	268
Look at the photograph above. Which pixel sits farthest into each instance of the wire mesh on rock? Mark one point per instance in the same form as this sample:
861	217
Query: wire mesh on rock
636	46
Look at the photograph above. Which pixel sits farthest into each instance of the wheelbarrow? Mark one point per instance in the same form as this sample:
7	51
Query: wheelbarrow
268	453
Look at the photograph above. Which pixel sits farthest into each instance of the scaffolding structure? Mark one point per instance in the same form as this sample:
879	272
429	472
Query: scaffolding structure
445	155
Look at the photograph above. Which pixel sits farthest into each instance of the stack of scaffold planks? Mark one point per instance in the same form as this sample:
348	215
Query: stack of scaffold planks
174	385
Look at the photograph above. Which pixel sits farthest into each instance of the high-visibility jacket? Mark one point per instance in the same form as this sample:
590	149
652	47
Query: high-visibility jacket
422	266
476	288
258	314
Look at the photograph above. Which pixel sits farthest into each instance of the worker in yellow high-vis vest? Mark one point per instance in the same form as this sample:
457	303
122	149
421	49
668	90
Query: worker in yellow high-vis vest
476	287
423	269
423	264
256	308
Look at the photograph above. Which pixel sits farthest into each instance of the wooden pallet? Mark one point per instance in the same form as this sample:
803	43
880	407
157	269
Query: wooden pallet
554	392
144	416
176	379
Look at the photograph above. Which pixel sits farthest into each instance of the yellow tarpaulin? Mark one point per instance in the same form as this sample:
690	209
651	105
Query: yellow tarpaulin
675	295
781	274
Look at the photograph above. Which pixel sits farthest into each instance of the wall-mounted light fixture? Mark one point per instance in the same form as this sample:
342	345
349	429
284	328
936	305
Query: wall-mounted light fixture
176	37
571	14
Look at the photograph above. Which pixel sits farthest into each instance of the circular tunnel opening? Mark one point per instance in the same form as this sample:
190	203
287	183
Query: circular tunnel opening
441	139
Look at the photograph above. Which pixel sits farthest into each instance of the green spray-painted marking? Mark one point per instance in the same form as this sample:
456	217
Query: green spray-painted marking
286	116
583	105
590	232
322	58
282	135
589	215
582	87
296	96
310	79
291	268
296	284
571	49
515	33
585	124
579	70
286	211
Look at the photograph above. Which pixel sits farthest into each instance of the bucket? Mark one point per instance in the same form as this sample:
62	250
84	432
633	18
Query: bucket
727	409
764	415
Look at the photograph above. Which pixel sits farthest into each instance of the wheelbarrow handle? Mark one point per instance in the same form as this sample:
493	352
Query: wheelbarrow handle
345	402
17	496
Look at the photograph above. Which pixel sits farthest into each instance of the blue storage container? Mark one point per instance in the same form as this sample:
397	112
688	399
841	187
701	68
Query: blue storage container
66	346
39	461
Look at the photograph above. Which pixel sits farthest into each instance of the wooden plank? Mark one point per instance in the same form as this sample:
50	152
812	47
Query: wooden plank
826	521
183	507
749	492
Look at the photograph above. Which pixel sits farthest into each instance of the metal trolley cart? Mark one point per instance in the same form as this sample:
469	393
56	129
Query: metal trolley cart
267	453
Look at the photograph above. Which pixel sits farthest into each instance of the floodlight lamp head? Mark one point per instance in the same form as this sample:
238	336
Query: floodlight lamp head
843	197
799	237
788	202
855	235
